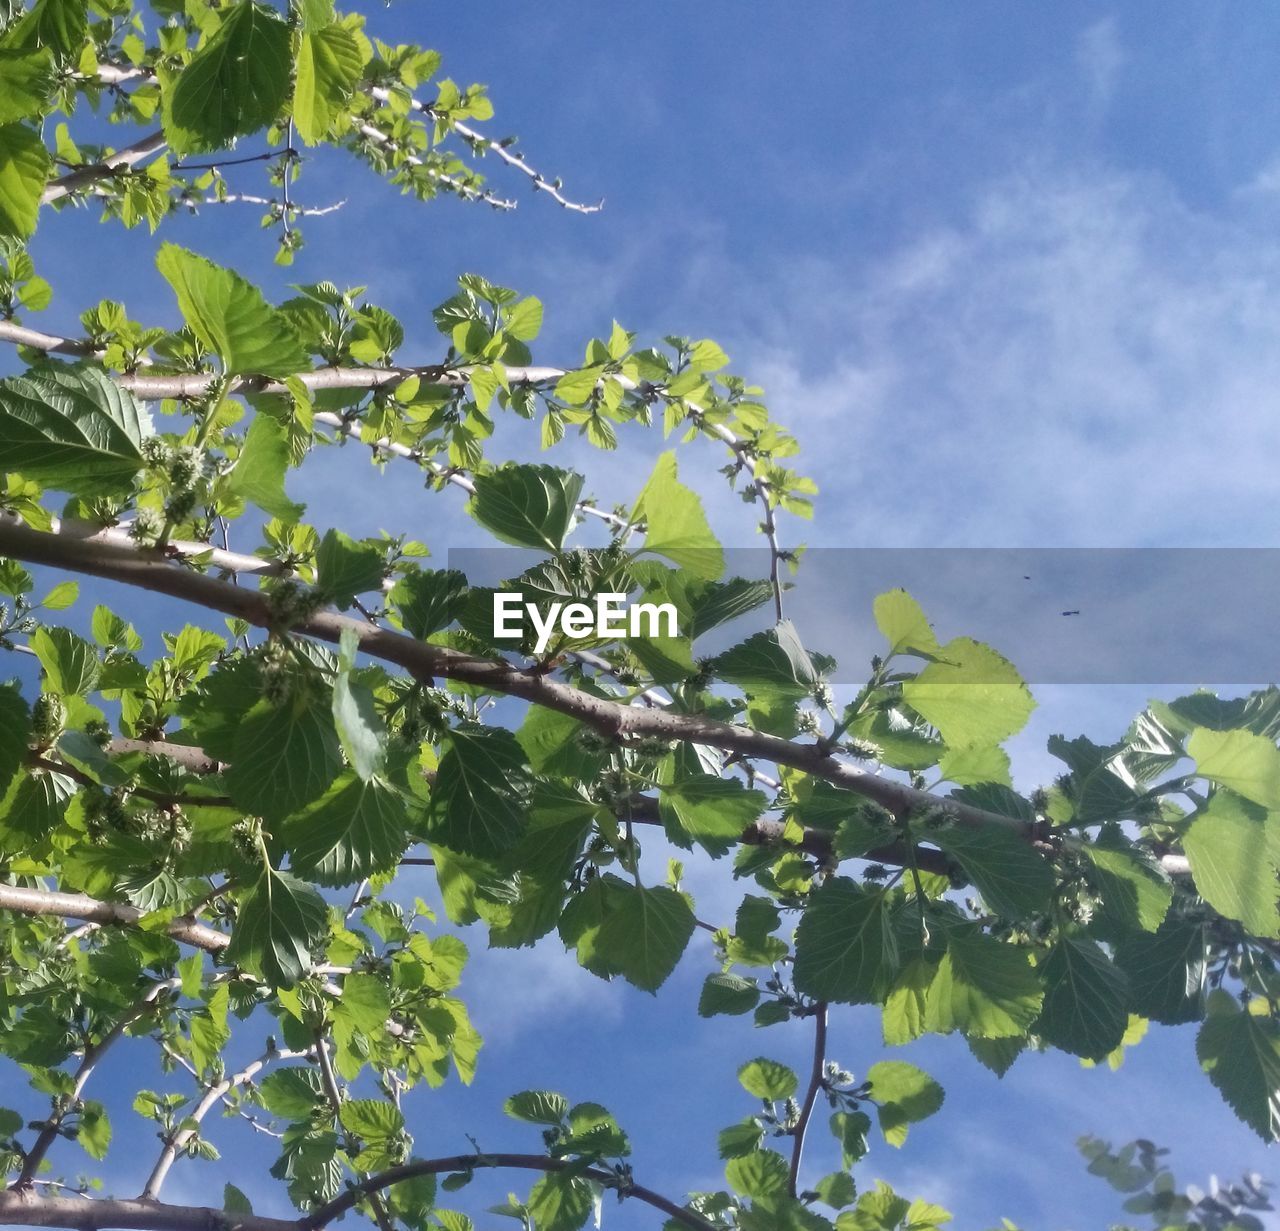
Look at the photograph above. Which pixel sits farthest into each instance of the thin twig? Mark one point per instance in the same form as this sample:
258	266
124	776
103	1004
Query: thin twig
92	1056
213	1094
810	1095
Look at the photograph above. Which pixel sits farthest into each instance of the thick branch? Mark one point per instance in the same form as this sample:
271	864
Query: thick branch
93	910
24	1208
471	1162
146	570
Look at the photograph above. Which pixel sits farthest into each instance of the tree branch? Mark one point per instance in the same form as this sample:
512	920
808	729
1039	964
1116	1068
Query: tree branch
25	1208
121	160
539	181
212	1096
132	566
810	1095
25	901
474	1162
92	1055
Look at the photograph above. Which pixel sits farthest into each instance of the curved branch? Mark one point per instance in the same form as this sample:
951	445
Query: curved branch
473	1162
150	571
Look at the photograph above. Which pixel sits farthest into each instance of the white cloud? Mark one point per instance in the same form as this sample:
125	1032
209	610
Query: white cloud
1100	59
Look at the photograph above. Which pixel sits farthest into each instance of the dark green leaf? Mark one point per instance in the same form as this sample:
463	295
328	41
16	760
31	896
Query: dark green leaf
281	921
480	802
1086	1000
528	506
846	949
72	429
1241	1054
235	84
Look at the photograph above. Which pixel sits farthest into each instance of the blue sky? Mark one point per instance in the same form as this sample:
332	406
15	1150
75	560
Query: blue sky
1010	272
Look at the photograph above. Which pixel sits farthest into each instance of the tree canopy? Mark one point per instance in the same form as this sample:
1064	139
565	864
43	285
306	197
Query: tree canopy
201	841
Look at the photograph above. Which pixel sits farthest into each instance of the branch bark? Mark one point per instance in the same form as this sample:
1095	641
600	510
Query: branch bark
474	1162
121	160
810	1096
93	910
150	571
25	1208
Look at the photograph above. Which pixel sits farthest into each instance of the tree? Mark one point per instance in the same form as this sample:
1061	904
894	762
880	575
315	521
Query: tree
203	844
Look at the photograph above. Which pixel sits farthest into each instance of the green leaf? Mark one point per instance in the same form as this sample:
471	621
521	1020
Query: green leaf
714	812
1245	763
997	1055
903	1015
1086	1000
357	829
767	1079
739	1139
328	68
359	726
281	921
61	596
428	601
1167	971
676	526
230	316
260	469
836	1190
983	988
24	168
903	623
527	506
15	728
234	1202
286	755
72	429
560	1202
71	664
480	802
769	664
234	85
537	1107
1015	881
59	25
374	1120
95	1129
26	78
1135	893
904	1095
727	993
345	568
846	949
1232	845
292	1093
1241	1054
643	934
974	697
762	1173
